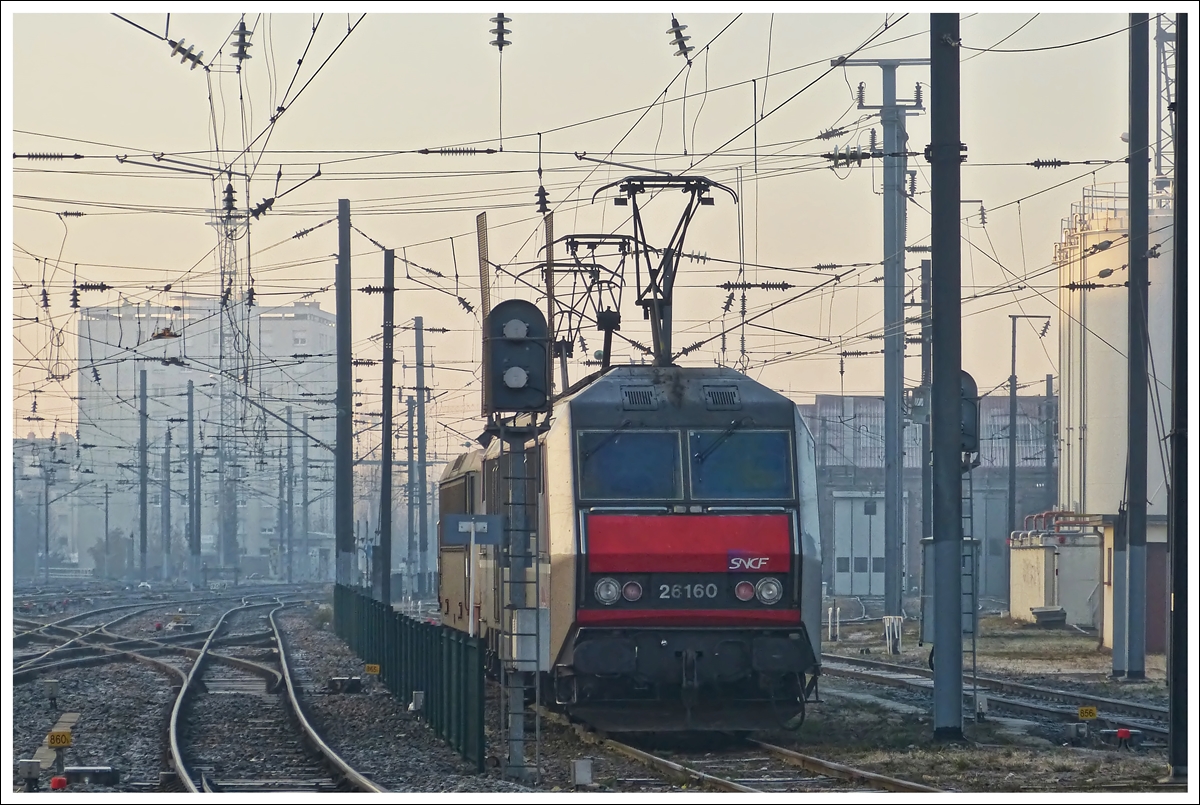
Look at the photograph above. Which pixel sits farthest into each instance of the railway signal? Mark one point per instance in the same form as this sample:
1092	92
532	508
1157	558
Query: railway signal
518	362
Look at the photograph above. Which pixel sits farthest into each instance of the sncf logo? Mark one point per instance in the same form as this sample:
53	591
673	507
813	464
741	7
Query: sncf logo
738	562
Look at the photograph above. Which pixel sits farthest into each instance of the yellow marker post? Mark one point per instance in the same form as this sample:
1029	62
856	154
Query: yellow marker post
373	668
1088	714
59	739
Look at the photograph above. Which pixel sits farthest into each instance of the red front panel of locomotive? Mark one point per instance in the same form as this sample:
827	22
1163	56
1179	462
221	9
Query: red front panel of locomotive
689	570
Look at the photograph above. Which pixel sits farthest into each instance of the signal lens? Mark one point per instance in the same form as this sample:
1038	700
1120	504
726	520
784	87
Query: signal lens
607	591
769	590
632	591
744	591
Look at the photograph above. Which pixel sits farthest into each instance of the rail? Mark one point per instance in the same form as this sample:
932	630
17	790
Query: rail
841	771
347	771
348	774
1017	688
683	770
194	674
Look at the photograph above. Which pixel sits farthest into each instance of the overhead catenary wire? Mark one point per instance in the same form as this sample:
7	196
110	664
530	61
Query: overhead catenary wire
283	290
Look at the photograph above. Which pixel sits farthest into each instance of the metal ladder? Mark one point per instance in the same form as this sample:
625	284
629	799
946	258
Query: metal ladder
968	568
520	631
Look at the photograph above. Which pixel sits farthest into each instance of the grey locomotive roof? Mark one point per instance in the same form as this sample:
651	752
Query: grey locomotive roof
471	461
666	390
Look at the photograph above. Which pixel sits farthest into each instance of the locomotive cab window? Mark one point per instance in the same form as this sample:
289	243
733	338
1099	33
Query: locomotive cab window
734	464
623	464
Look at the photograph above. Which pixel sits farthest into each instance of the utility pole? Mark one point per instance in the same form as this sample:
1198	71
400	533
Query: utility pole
423	512
166	509
926	383
1139	217
193	490
281	516
143	473
946	396
291	493
344	441
306	566
199	508
895	214
1012	441
383	561
411	494
106	531
1177	660
46	471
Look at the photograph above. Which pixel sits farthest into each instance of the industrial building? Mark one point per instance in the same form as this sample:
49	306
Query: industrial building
287	362
1092	260
850	483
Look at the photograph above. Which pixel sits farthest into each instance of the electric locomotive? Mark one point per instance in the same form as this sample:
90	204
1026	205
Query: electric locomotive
677	569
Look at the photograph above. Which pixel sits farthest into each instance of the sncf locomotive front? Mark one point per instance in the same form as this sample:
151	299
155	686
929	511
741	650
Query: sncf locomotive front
680	506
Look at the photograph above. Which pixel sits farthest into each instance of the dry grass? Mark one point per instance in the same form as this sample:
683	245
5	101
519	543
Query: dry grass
872	737
1005	646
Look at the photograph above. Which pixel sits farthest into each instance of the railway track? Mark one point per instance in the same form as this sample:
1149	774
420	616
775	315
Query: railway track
93	639
238	727
752	766
1003	694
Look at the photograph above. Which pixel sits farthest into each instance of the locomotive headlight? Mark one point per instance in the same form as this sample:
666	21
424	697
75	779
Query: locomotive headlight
744	591
769	590
607	591
632	591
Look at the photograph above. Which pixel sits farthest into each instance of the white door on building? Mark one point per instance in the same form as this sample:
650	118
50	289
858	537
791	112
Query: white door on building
858	545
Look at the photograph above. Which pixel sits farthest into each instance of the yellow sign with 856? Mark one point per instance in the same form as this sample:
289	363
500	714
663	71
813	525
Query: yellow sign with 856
1088	714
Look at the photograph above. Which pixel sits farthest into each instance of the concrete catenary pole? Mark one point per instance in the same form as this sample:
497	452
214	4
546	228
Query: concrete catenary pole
166	508
411	495
193	490
426	586
281	519
894	213
384	558
946	406
895	216
344	440
893	342
195	546
927	382
46	471
143	474
106	531
1139	217
291	496
1177	668
1012	433
305	563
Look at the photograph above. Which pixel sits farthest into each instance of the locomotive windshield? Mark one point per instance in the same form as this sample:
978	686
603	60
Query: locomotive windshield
623	465
741	464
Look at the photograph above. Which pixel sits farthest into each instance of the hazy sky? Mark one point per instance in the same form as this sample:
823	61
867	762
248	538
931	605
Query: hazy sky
608	85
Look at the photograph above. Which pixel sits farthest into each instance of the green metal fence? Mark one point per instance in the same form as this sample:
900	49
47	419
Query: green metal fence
416	656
